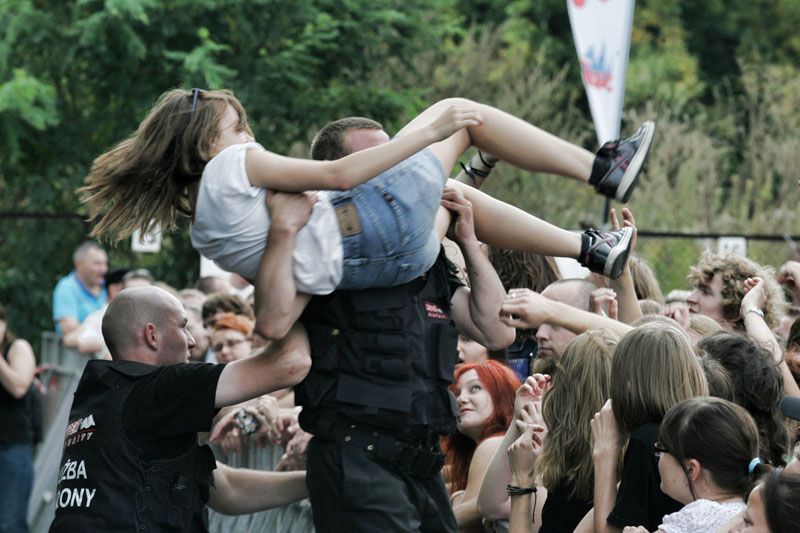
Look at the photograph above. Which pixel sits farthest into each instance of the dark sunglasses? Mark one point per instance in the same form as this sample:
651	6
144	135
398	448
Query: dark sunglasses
195	92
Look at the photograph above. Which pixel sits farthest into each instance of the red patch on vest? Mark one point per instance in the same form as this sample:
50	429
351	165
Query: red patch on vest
434	311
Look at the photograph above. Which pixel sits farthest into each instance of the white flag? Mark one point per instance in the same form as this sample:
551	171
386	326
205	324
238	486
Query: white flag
602	33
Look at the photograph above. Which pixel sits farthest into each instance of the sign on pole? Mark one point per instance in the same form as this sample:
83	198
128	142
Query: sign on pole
150	243
602	33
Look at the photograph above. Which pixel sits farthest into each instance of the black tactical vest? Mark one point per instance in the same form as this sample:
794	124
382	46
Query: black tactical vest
105	484
383	357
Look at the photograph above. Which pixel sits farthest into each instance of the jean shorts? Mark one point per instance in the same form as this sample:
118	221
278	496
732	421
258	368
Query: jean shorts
396	211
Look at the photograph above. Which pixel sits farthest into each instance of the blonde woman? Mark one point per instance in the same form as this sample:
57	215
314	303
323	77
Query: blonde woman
563	471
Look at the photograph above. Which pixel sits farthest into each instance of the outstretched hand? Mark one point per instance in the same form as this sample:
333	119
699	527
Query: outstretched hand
454	118
524	309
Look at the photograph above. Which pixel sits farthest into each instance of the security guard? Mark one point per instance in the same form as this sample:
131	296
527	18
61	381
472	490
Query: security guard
376	398
131	460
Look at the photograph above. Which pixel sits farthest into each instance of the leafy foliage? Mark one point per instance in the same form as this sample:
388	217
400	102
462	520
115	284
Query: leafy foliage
77	77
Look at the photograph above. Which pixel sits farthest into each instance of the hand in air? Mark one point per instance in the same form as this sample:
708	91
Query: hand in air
679	311
607	439
288	210
531	391
523	452
754	295
789	276
454	118
627	221
462	228
603	298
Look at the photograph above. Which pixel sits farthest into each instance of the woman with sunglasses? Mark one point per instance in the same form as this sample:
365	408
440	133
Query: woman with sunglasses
195	155
708	459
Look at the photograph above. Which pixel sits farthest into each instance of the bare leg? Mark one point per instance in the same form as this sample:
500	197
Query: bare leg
505	226
511	140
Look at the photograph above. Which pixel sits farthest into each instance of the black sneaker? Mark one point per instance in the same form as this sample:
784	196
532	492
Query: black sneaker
606	253
618	163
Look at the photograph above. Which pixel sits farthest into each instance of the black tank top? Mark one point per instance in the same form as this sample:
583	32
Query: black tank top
15	418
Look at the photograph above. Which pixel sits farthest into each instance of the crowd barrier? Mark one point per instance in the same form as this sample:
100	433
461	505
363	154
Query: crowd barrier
288	519
62	368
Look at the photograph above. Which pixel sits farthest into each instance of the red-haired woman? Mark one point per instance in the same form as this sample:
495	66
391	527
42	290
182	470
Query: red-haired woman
485	394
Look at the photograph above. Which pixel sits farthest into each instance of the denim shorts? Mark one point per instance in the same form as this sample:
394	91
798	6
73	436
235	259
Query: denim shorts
396	211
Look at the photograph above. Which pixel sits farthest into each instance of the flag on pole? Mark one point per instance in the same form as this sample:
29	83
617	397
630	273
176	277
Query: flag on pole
602	33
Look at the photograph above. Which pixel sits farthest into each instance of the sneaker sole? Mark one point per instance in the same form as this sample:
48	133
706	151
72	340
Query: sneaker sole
618	255
631	175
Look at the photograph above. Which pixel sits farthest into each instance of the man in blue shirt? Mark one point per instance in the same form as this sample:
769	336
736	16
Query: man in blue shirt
83	290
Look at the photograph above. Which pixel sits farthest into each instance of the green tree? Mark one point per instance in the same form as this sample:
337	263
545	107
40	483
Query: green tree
77	77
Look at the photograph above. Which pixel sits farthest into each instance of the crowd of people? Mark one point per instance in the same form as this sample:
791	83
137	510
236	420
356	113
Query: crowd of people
413	386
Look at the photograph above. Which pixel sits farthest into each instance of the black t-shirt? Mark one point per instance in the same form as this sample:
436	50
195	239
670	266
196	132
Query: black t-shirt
640	501
168	406
562	511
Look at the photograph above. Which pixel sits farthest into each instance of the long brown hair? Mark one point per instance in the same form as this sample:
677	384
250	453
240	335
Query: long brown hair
501	383
152	177
580	388
654	368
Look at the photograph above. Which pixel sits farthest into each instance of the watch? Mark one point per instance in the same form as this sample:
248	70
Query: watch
755	310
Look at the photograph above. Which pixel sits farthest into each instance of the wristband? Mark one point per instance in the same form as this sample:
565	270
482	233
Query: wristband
513	490
755	310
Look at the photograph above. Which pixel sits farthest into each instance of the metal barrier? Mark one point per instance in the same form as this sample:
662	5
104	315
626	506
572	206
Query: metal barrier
61	378
288	519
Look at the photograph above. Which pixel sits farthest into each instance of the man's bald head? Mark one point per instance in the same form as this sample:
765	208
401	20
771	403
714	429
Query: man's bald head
576	292
128	314
552	339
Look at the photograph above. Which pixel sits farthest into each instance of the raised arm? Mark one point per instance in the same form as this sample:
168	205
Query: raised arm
628	304
278	304
526	309
242	491
751	311
493	500
272	171
523	453
476	309
605	453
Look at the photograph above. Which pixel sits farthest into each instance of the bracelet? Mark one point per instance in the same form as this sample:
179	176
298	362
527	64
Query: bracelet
513	490
755	310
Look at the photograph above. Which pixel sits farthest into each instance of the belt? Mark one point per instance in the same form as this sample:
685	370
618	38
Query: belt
418	460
